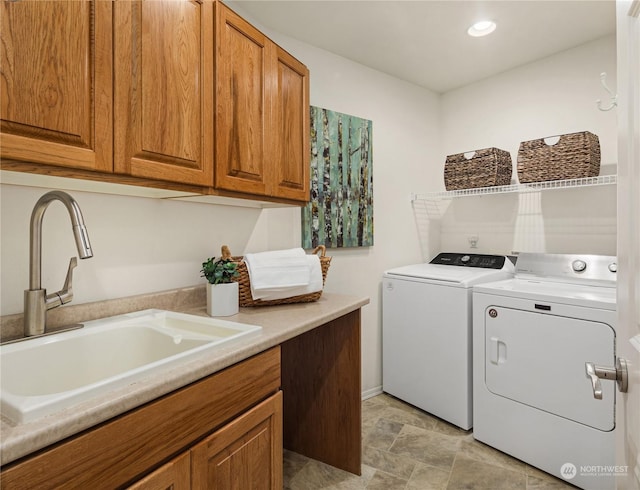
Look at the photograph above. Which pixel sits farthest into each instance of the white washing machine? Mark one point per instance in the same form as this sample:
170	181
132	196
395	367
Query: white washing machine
426	331
532	336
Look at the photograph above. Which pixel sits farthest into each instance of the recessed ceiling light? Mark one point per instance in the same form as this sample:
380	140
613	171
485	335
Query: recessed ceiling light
481	28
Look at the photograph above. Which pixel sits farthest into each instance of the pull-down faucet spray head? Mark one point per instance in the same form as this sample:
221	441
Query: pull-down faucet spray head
82	238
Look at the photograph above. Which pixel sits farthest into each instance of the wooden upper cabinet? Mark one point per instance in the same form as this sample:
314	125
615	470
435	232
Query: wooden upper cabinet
163	90
242	104
291	129
181	91
56	83
262	113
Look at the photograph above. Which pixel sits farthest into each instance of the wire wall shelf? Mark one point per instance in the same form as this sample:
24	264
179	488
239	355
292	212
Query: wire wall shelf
519	188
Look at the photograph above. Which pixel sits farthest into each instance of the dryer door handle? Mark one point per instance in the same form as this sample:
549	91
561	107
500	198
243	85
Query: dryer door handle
498	351
618	373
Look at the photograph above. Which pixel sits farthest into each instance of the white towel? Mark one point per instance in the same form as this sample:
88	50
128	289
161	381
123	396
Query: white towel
315	284
278	269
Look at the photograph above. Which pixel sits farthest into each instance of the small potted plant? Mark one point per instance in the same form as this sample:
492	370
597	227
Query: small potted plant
222	291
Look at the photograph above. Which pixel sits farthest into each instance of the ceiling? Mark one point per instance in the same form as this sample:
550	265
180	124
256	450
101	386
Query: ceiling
425	42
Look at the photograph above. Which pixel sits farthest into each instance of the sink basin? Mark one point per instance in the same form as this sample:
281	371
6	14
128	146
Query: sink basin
43	375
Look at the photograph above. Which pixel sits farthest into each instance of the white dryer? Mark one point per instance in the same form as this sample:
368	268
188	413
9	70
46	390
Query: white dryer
426	331
532	336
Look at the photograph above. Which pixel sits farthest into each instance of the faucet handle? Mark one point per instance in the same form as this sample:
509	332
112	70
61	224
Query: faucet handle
65	295
68	286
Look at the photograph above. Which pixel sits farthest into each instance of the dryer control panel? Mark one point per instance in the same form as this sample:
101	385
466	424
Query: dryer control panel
594	270
470	260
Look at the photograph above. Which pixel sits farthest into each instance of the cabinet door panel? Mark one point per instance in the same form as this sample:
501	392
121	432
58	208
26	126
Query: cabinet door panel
291	129
247	453
56	83
164	91
242	109
175	475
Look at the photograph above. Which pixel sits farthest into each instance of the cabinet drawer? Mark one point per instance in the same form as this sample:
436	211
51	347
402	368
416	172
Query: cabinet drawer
122	450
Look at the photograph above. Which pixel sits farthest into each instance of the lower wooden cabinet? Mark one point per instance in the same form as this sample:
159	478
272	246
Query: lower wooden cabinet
127	448
175	475
247	453
244	454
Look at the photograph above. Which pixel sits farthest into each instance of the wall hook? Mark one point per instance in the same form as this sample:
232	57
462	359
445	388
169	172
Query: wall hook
613	97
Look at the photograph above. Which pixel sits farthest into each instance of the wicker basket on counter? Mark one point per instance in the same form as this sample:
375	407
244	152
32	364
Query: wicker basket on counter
244	283
574	156
481	168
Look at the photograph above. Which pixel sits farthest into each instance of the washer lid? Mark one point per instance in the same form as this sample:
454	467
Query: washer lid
460	276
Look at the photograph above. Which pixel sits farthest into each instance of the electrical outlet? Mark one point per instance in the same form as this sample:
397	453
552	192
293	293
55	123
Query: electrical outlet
473	241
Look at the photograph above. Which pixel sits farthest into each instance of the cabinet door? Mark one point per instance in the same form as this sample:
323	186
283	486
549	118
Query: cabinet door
242	104
247	453
291	131
164	90
56	76
175	475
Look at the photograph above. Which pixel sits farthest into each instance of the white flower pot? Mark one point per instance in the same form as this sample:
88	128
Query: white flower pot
222	299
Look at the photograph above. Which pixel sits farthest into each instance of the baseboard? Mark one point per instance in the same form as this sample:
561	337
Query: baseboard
371	392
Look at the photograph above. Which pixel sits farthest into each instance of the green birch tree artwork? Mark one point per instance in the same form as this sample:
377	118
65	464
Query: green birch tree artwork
340	212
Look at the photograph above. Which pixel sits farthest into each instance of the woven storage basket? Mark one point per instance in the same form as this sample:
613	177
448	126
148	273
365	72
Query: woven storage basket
484	168
574	156
244	283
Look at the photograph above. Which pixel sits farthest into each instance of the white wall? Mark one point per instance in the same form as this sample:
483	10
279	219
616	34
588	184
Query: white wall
555	95
140	245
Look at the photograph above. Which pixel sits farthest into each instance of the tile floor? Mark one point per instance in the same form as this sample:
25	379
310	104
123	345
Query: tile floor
406	448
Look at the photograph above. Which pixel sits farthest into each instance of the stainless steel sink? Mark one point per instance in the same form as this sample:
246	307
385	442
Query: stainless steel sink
43	375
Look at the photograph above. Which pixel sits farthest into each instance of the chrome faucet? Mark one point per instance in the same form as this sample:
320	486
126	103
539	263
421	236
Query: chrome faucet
36	299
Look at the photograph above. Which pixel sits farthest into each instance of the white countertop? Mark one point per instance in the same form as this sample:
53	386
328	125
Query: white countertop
279	324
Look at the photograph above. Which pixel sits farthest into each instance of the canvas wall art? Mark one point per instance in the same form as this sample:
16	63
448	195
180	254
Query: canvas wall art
340	213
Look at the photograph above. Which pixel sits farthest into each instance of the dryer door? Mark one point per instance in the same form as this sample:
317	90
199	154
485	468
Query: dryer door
539	360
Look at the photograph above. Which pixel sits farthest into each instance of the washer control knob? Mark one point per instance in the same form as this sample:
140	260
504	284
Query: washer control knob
579	265
465	258
613	267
